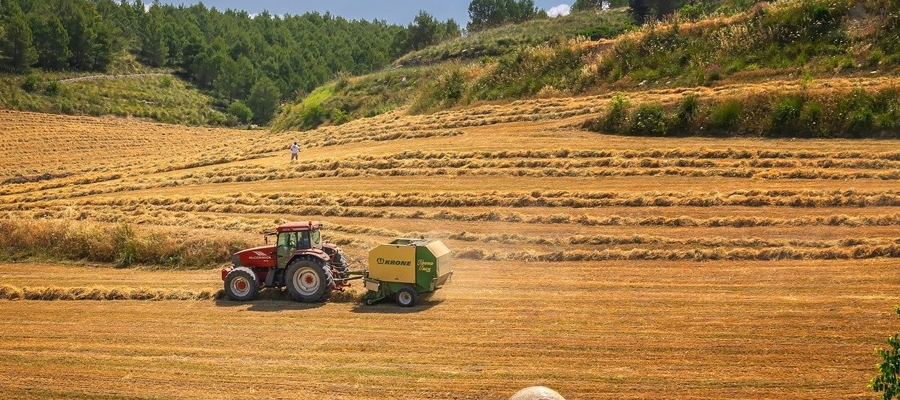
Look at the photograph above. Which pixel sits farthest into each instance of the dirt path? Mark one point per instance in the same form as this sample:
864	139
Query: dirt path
93	77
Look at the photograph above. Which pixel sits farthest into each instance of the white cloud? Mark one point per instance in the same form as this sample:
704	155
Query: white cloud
253	15
147	7
559	11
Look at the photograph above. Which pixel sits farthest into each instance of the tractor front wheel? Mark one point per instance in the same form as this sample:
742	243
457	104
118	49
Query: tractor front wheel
309	280
241	285
407	296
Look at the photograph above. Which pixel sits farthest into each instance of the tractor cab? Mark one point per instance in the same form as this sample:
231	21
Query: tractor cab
294	236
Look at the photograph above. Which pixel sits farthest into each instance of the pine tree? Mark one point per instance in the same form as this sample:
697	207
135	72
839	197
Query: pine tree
205	68
81	35
664	8
17	51
102	48
235	78
639	10
52	43
153	41
264	100
451	30
424	31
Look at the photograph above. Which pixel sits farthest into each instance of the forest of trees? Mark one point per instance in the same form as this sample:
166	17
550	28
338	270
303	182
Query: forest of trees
257	60
486	14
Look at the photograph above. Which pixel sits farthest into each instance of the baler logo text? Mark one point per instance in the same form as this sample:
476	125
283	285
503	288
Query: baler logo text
382	261
425	266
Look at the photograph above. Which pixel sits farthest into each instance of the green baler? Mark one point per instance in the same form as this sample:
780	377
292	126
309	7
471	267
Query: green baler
406	269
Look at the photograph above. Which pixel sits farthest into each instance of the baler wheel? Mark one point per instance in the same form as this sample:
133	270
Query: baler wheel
407	296
241	285
309	280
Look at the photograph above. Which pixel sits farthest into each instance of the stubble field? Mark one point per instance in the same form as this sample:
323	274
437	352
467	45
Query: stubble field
604	267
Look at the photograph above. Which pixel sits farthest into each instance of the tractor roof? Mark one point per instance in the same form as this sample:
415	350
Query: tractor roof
300	226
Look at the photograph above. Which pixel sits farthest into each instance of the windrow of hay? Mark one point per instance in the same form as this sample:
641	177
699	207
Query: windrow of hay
676	153
765	168
282	203
638	239
52	293
567	169
8	292
166	217
721	253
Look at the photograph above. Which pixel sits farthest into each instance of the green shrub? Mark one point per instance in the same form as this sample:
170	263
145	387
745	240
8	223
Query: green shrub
874	57
694	12
127	246
240	111
343	79
312	116
616	116
812	119
339	116
31	84
887	381
713	74
443	92
857	112
860	121
688	111
649	120
52	88
785	116
726	115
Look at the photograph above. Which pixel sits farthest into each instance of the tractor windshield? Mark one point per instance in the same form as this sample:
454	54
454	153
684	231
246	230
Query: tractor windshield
300	240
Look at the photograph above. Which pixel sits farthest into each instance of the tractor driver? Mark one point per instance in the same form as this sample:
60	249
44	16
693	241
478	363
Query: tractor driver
304	240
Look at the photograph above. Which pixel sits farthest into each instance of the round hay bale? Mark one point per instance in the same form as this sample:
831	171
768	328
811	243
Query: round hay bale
537	393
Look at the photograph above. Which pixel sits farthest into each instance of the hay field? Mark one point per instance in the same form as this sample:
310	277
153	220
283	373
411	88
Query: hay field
604	267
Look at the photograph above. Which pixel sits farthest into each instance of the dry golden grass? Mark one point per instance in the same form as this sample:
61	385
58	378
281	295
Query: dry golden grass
604	267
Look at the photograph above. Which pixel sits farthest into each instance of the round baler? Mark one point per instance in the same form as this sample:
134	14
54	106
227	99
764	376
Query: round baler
406	269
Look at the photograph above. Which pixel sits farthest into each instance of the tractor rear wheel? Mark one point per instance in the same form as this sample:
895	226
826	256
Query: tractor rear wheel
309	280
241	285
407	296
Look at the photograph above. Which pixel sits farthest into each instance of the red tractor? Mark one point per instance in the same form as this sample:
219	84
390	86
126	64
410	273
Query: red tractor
300	260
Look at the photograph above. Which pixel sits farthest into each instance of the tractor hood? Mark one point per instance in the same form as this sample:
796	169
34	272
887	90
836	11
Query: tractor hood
263	256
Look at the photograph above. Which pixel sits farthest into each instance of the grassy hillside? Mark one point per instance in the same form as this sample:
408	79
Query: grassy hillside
591	24
365	96
789	39
349	98
163	98
128	90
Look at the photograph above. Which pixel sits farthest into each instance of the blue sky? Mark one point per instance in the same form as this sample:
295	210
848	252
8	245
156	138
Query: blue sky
394	11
